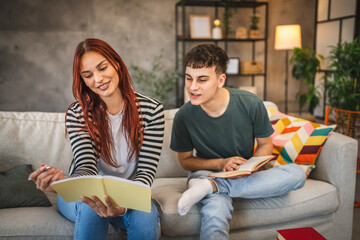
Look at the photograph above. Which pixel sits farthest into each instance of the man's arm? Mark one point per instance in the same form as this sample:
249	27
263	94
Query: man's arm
191	163
264	147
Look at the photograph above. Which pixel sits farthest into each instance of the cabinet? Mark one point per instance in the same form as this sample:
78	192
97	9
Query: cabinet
183	42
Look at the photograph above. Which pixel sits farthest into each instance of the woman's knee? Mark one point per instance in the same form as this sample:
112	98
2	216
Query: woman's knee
142	225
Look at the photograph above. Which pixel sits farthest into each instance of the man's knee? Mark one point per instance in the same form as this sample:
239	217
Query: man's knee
296	173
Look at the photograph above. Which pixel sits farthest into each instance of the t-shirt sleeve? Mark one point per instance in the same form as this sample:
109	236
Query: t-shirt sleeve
261	122
180	137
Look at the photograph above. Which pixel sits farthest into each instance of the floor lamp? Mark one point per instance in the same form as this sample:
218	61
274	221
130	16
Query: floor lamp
287	37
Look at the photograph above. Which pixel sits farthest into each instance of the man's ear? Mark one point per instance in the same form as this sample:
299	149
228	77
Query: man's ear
222	79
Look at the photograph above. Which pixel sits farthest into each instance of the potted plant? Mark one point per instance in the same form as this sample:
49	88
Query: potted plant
343	89
228	13
156	82
306	63
254	26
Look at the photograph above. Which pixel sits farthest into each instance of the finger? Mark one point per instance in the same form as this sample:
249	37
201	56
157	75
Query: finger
239	160
108	202
44	175
91	204
229	169
86	200
45	182
111	209
100	205
37	172
57	176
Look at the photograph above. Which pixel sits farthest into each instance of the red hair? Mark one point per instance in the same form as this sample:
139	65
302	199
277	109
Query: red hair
94	108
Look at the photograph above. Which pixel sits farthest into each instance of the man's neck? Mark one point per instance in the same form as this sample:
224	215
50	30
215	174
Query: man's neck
217	106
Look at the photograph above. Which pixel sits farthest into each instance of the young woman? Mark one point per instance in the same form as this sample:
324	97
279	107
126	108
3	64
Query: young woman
113	131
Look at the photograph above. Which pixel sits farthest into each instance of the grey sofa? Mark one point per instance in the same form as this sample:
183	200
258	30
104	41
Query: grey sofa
325	202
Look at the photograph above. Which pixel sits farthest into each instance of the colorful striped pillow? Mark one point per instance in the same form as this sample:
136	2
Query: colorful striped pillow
297	140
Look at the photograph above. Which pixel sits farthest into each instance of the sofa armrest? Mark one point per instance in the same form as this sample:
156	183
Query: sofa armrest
336	163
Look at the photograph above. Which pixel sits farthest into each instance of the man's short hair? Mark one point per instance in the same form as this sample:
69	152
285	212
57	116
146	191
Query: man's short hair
207	55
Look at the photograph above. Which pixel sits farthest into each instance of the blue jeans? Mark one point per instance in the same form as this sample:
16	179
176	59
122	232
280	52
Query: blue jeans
89	225
216	208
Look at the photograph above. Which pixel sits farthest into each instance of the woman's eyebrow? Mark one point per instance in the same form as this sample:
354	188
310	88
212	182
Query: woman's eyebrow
96	66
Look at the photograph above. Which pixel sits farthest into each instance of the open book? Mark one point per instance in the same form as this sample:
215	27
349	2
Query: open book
252	165
123	192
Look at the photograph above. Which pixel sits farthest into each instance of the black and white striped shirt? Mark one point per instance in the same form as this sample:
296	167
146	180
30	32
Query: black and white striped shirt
83	147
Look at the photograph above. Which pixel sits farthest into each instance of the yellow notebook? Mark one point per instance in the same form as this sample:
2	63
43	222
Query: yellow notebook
123	192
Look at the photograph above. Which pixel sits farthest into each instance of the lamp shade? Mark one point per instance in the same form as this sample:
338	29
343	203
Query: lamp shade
287	37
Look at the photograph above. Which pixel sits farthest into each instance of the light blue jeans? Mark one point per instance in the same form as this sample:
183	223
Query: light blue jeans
216	208
89	225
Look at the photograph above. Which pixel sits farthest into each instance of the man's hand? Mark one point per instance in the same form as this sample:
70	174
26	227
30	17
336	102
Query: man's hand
232	163
103	211
43	177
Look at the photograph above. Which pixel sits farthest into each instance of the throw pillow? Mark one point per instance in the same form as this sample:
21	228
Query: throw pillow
296	140
17	191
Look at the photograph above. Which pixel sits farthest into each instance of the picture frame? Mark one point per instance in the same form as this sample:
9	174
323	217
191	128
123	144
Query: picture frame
200	26
233	66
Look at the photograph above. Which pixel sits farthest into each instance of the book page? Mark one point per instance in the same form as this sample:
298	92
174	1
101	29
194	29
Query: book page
129	194
252	163
244	169
72	189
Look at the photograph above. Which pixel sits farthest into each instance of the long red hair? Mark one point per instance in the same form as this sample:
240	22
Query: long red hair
94	108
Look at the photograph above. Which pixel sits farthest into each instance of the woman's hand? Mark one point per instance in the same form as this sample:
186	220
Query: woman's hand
104	211
43	177
232	163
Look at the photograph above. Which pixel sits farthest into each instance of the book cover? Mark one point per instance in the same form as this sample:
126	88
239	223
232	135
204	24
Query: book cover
252	165
123	192
306	233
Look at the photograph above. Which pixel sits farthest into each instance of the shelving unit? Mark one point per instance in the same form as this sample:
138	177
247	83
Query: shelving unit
181	38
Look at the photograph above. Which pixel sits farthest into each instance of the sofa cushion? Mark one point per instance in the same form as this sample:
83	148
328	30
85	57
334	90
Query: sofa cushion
17	191
168	164
315	198
18	223
297	140
34	137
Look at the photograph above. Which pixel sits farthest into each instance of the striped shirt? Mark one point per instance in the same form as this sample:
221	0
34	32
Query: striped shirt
83	147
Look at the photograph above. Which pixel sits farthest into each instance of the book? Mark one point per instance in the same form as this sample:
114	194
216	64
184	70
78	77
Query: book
123	192
252	165
306	233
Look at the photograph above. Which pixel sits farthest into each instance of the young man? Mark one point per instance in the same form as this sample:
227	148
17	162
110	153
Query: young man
221	124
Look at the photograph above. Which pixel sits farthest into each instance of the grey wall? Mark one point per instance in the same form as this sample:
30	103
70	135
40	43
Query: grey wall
288	12
38	38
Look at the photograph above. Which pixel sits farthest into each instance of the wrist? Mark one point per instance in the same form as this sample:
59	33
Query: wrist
221	164
124	212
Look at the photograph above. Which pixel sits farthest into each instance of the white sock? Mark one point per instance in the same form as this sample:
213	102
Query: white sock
198	189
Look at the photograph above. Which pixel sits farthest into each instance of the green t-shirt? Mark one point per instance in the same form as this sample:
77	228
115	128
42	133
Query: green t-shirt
231	134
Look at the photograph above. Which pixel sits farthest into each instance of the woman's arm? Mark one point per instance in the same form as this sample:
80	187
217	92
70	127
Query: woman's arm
84	161
153	133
